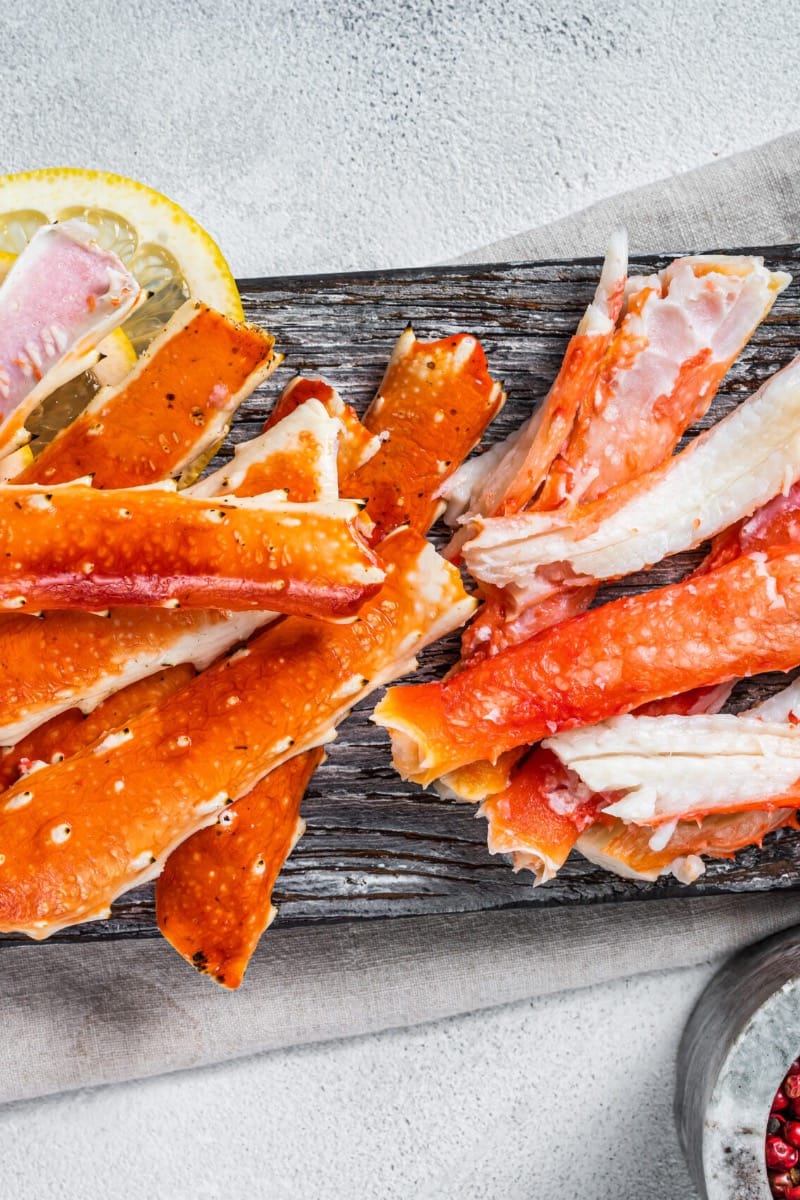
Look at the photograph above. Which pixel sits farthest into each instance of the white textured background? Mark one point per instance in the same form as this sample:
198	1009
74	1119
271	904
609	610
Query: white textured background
315	136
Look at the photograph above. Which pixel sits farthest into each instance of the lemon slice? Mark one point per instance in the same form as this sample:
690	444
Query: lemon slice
171	256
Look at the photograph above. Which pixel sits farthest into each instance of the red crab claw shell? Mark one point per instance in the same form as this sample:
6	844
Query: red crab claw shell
76	835
357	445
62	296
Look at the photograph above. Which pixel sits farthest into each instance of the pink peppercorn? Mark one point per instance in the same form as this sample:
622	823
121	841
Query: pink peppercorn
780	1154
791	1085
780	1102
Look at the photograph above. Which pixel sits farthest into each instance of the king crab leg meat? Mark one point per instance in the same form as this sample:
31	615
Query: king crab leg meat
218	931
62	296
678	335
738	620
77	834
720	478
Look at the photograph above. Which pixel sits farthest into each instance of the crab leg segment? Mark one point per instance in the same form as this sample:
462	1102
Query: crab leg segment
62	296
357	445
77	834
720	478
678	335
507	477
435	401
42	674
71	730
673	768
214	896
76	547
172	409
219	929
603	663
637	852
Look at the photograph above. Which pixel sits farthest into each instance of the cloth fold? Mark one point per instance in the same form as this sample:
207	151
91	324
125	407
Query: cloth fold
102	1012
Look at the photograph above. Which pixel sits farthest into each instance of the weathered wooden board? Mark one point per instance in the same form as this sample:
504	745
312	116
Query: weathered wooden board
376	847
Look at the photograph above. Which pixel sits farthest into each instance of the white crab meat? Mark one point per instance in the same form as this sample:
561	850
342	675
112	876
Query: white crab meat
62	296
721	477
676	767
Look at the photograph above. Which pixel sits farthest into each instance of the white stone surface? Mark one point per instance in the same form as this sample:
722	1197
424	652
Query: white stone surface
316	136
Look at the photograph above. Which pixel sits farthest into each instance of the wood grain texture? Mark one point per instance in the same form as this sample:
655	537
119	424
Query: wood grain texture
375	846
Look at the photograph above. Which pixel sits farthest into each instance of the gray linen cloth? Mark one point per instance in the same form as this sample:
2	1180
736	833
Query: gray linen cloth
73	1016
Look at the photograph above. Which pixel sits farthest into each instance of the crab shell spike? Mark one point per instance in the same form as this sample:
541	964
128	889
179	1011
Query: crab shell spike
299	452
209	744
214	898
435	402
75	547
601	664
62	296
170	411
71	658
357	445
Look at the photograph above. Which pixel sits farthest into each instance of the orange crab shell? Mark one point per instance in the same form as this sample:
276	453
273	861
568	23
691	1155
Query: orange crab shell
72	730
211	905
357	445
435	402
76	547
608	661
76	835
175	404
222	938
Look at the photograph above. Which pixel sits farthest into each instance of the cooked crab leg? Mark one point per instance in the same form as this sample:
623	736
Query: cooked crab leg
73	546
218	929
71	730
171	410
209	894
62	296
356	447
75	835
435	402
722	477
69	658
603	663
677	338
640	852
507	477
537	812
658	770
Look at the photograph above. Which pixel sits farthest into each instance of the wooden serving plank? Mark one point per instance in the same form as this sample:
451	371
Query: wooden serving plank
375	846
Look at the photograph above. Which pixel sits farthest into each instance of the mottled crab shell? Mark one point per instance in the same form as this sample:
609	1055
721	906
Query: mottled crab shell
72	546
603	663
214	896
434	403
508	476
69	658
356	447
209	908
62	296
172	409
75	835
